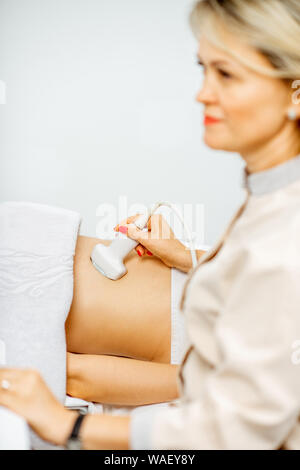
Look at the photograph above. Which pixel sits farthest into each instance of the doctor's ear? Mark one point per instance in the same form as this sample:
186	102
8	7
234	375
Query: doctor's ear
293	113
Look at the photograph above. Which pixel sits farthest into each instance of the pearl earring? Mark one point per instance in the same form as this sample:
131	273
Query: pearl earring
292	115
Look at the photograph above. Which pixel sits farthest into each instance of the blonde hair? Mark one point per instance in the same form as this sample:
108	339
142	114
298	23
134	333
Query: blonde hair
272	27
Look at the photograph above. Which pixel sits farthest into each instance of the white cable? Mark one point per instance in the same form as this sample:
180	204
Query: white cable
186	228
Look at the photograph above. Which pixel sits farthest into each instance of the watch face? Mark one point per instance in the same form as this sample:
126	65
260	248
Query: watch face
73	444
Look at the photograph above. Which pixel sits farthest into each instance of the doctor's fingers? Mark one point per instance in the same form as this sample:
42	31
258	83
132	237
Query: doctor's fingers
17	386
11	375
127	221
141	236
141	251
16	378
160	228
156	223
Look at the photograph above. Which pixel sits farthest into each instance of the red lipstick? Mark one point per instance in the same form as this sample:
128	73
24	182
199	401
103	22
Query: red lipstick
210	120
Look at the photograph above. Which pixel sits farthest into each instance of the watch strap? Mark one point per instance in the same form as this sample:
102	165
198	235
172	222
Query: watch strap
75	431
73	441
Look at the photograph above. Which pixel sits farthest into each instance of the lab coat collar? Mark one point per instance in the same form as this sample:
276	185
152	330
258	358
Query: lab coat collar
267	181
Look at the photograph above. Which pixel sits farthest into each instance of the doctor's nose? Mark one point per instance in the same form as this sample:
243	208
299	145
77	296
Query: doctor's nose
206	94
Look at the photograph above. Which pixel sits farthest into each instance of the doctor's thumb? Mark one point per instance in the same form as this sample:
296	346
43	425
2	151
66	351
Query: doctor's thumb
138	235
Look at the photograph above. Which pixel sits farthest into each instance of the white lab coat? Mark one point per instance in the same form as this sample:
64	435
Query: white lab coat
240	387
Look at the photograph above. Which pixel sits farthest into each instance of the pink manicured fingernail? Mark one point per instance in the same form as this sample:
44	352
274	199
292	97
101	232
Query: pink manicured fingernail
139	253
149	253
123	229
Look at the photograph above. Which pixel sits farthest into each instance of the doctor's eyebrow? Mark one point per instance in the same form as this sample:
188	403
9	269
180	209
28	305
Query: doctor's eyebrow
214	62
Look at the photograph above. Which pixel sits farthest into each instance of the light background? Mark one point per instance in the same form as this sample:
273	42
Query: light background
101	104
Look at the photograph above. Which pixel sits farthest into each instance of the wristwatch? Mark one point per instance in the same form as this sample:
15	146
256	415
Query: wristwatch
74	442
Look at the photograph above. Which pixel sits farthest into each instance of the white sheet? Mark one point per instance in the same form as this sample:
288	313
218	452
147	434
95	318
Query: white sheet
14	431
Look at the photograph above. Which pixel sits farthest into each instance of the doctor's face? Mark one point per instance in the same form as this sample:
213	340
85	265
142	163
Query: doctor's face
250	108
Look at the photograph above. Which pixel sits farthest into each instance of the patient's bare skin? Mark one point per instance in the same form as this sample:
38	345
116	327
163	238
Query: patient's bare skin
130	317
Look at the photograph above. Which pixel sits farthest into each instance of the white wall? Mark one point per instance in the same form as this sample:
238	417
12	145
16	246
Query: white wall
101	103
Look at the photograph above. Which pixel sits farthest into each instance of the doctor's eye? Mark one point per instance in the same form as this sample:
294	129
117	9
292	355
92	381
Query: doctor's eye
224	74
200	64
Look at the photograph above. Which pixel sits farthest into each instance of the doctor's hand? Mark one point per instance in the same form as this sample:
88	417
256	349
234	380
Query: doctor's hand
159	241
25	392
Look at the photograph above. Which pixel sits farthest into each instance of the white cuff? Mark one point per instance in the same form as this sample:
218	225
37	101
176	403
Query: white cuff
141	426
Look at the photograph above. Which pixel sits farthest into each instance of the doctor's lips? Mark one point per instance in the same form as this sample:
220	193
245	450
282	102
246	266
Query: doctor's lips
210	120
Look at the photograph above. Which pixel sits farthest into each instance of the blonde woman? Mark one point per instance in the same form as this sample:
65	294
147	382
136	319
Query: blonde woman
239	387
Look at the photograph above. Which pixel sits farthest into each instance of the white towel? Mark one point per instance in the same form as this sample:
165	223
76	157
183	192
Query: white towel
73	403
37	247
14	433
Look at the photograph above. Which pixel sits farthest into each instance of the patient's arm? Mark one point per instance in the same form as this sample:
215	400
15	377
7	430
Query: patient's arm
120	381
130	317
